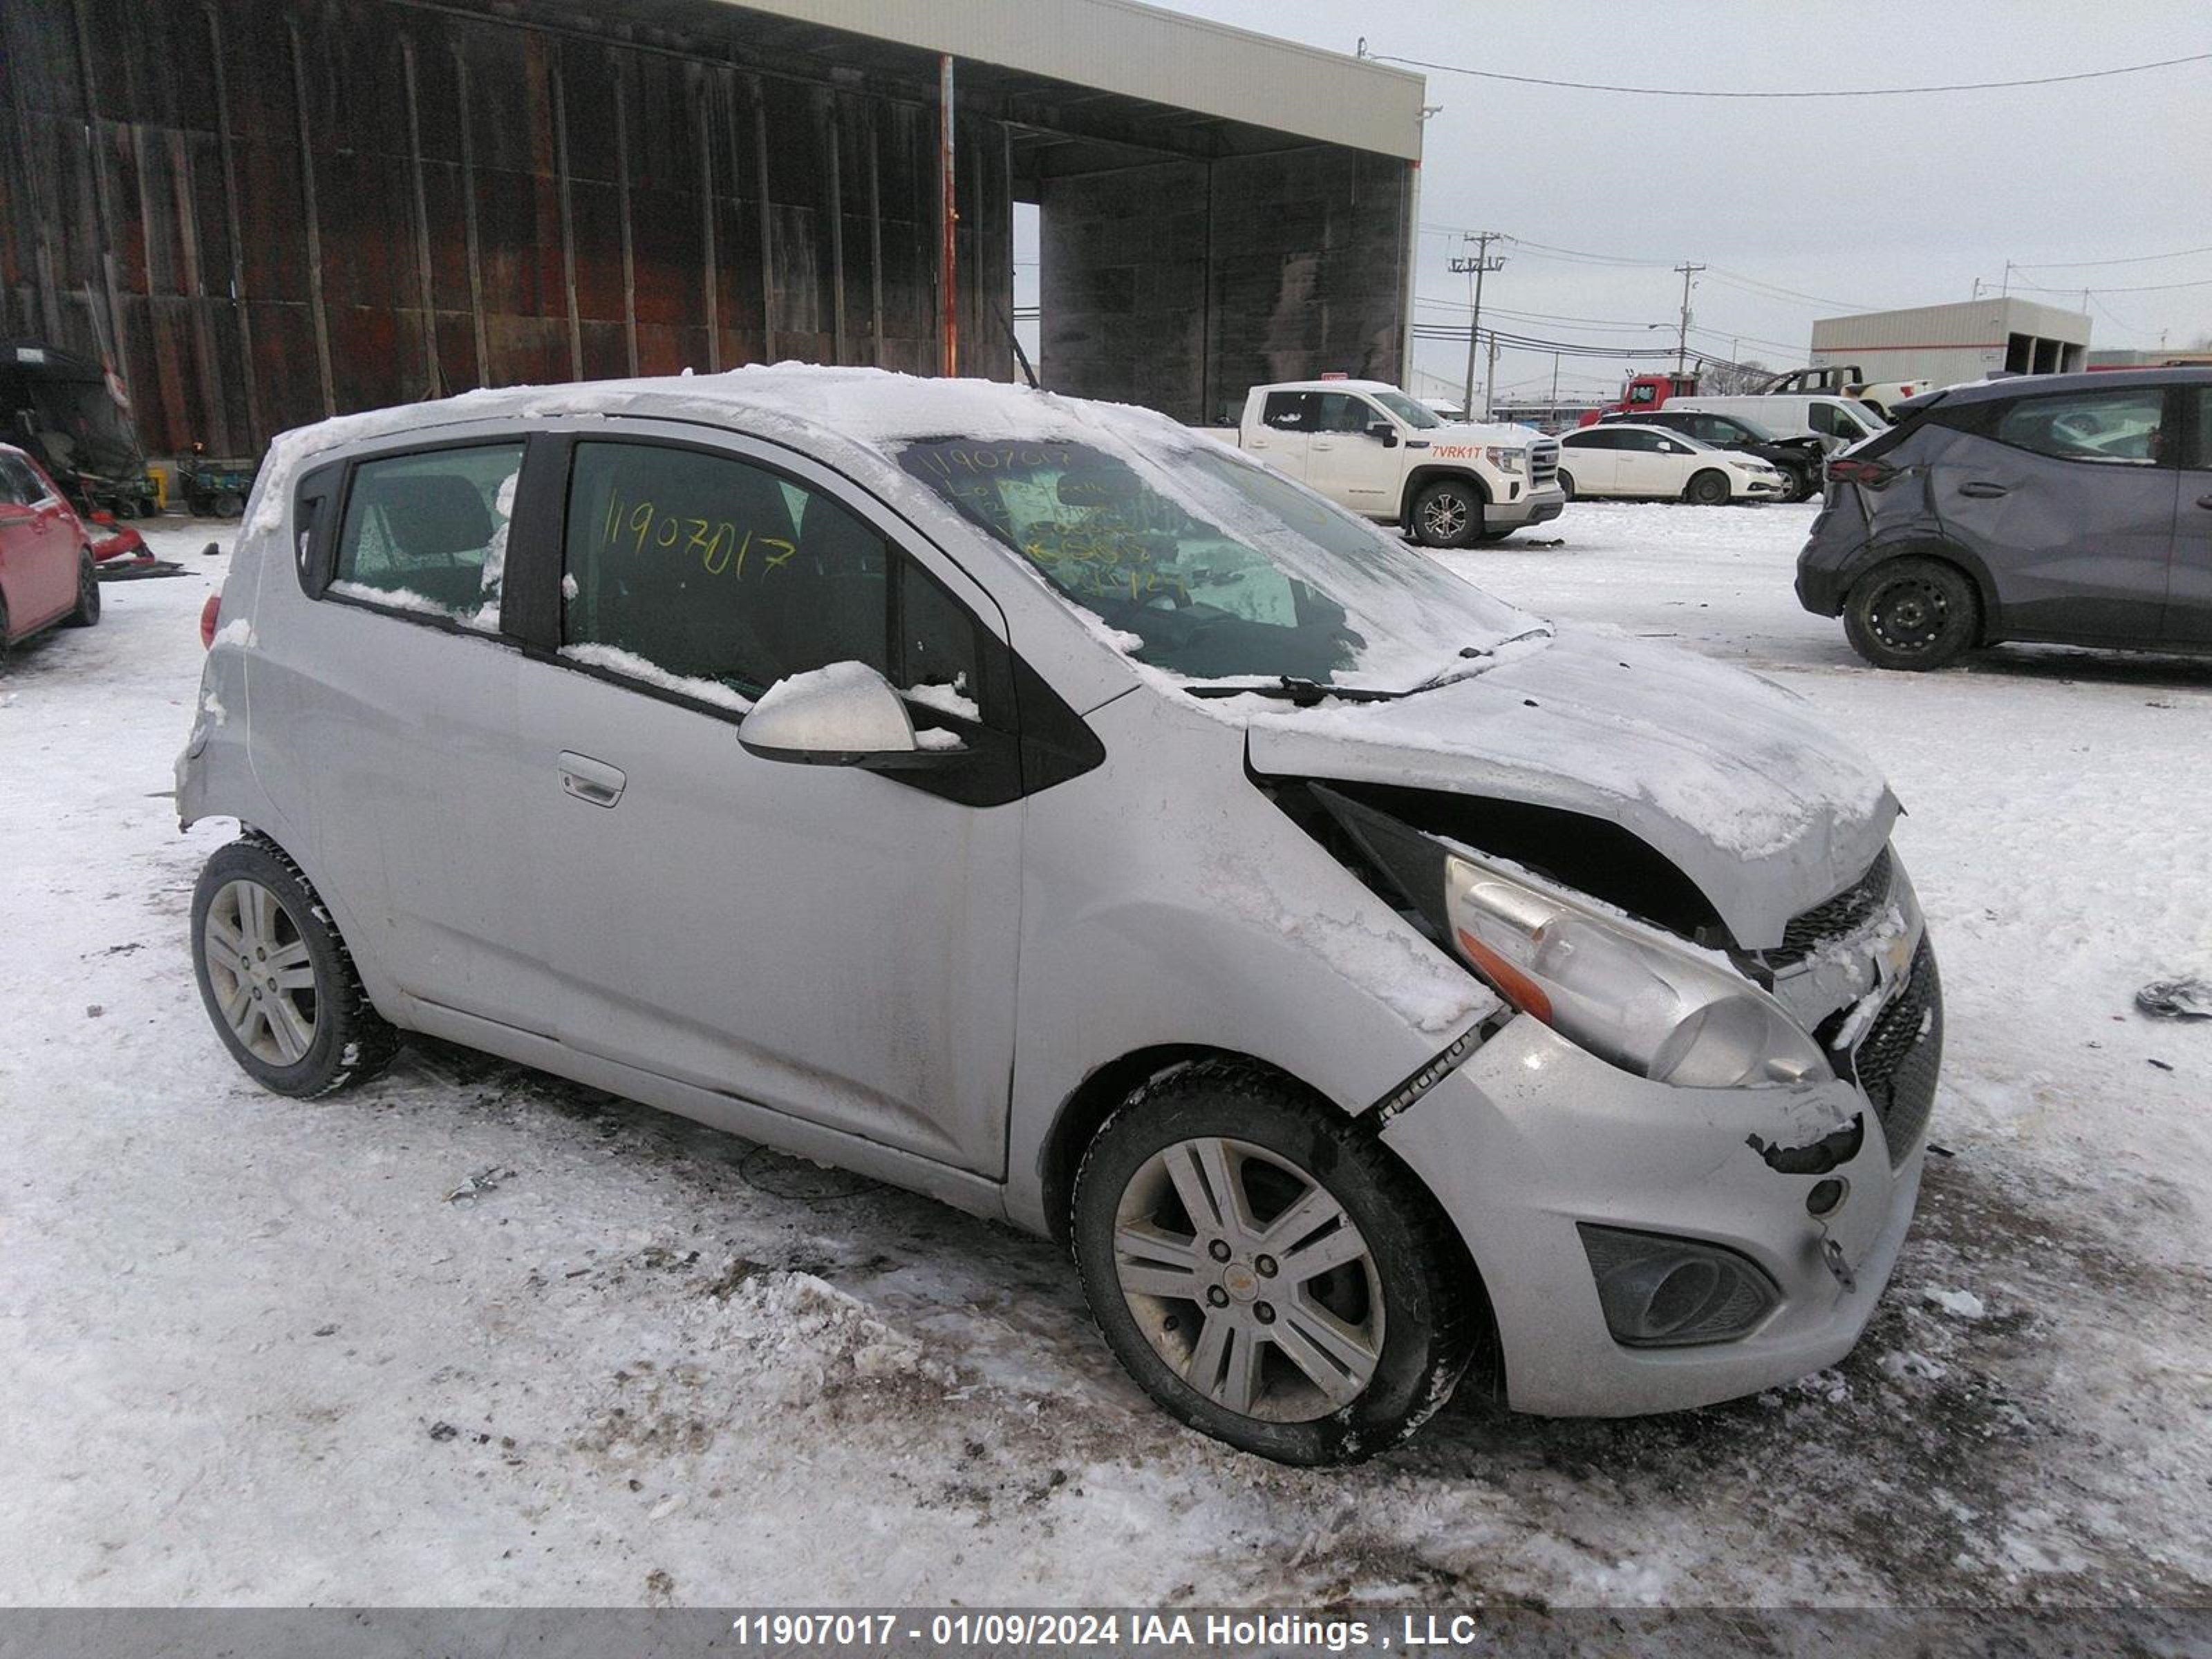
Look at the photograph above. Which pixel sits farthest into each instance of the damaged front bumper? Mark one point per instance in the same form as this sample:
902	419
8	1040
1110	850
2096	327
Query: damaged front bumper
1547	1157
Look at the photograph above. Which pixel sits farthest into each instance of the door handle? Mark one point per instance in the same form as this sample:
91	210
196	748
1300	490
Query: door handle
592	781
1983	491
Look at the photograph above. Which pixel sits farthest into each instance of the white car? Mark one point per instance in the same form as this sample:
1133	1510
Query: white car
1626	458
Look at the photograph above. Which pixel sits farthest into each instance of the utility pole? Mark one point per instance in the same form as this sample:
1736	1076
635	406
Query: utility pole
1683	337
1475	269
2007	288
1555	385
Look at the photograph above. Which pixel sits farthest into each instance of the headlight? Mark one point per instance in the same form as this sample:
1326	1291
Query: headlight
1505	460
1629	996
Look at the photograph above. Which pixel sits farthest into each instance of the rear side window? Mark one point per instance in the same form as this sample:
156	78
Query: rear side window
2121	428
1288	411
428	533
709	576
19	485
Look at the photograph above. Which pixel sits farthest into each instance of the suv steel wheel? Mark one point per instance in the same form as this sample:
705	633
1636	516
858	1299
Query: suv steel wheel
1913	614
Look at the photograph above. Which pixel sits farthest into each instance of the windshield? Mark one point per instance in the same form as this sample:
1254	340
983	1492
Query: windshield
1751	432
1218	569
1406	410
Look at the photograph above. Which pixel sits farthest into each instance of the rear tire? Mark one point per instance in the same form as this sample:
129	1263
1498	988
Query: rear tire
87	591
1917	613
228	504
1708	489
1448	514
277	979
1330	1362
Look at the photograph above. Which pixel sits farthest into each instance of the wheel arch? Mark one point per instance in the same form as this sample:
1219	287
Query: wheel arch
1943	552
1095	1099
1437	472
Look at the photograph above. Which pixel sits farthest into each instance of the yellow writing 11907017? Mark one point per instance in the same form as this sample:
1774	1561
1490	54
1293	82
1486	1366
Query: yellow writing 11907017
717	543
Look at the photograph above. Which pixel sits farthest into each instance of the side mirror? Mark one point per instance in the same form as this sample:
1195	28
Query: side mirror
1386	432
846	715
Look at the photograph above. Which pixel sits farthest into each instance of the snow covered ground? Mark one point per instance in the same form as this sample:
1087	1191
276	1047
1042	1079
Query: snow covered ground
251	1352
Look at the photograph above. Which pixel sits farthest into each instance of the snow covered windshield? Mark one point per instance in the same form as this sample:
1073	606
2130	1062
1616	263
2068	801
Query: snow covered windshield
1220	569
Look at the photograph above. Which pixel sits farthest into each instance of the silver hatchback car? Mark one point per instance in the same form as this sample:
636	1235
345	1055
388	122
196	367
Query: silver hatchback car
1037	804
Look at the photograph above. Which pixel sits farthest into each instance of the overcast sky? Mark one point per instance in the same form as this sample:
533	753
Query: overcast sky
1860	204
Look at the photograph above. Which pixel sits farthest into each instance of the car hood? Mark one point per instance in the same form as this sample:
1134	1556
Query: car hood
1725	774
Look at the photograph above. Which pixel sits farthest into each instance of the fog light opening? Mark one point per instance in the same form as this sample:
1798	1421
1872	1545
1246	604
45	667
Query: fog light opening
1827	1196
1661	1292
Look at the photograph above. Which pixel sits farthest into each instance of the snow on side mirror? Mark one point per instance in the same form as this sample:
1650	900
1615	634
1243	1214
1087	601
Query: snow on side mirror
846	715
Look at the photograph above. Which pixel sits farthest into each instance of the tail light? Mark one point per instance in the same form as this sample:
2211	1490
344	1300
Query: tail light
1874	475
210	613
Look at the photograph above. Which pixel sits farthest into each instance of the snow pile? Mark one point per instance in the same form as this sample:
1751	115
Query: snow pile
1961	1305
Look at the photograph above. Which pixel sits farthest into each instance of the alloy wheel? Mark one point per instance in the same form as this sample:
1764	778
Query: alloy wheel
262	974
1443	517
1249	1279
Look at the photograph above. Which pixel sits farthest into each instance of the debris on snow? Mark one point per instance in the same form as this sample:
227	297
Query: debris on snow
482	1181
2190	998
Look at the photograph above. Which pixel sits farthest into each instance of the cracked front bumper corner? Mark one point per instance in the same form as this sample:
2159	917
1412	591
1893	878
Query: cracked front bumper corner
1532	1136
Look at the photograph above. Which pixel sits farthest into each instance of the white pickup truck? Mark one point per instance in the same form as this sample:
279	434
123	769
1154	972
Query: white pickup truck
1368	447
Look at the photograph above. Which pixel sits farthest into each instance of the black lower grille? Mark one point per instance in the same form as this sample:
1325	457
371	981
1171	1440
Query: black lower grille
1902	1052
1851	909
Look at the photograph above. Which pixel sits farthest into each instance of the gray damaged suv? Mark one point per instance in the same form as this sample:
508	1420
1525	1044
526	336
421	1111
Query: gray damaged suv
1040	806
2072	508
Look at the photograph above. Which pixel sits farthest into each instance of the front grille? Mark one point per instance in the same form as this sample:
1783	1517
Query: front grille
1543	464
1902	1052
1846	913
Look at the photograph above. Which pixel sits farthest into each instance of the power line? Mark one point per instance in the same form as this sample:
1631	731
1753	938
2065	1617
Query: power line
2133	259
2140	288
1851	91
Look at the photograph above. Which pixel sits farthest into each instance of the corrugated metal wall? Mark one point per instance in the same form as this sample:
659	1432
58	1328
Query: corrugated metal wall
270	210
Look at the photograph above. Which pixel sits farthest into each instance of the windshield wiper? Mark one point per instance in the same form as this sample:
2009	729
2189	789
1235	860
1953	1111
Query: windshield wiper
1480	659
1305	693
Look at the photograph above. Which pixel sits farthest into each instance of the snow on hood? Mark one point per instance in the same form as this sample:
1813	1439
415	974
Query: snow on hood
1730	778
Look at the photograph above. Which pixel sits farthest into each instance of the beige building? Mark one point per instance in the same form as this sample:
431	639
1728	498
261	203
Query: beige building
1946	344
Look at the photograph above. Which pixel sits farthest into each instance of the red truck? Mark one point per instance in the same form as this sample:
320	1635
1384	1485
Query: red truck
1645	392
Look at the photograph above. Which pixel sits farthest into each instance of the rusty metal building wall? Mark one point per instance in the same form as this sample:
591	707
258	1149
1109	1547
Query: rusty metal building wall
270	211
1179	284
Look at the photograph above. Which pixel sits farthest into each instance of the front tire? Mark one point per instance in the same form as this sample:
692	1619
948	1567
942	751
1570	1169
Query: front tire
1266	1272
277	980
1913	614
1708	489
87	591
1448	514
1566	484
